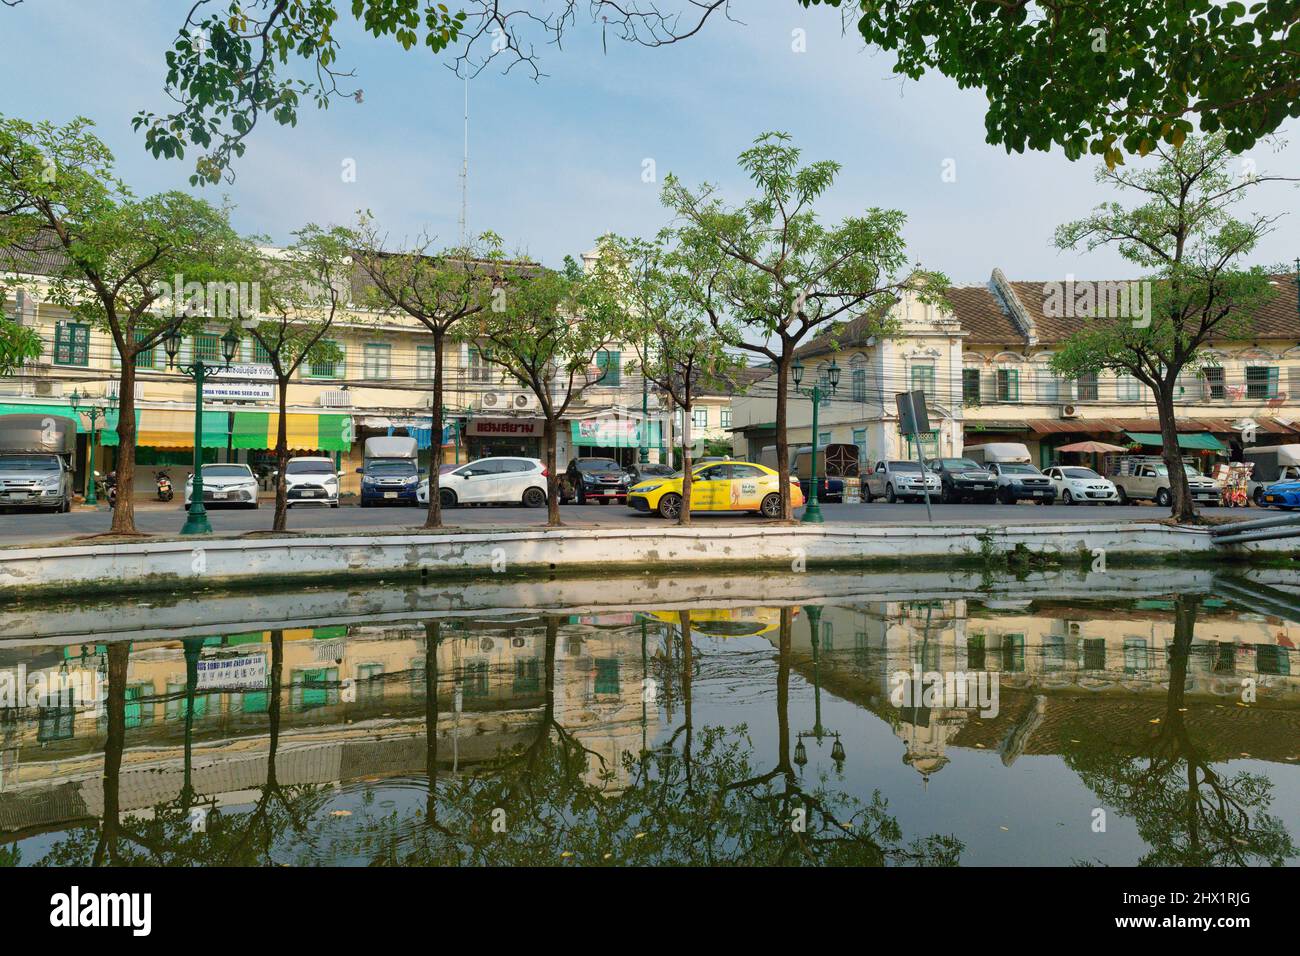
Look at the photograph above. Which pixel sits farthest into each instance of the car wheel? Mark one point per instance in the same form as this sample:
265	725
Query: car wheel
670	506
867	496
1067	498
1163	497
334	504
945	496
534	498
1258	497
770	507
889	494
604	501
1123	495
581	496
446	498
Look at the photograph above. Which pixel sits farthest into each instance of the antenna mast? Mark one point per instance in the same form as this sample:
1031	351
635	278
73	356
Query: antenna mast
464	176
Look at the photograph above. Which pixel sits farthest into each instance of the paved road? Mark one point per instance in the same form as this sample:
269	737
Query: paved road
157	518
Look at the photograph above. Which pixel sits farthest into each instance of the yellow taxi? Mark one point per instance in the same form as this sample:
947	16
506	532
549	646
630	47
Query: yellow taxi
726	622
716	486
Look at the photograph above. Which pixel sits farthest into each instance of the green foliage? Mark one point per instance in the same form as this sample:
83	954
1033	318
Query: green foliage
1102	77
18	344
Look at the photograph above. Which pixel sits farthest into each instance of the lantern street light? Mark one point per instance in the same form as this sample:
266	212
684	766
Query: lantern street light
820	392
94	411
196	521
818	732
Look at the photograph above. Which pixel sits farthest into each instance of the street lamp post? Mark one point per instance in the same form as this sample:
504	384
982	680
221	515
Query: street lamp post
821	391
645	414
93	413
818	732
196	521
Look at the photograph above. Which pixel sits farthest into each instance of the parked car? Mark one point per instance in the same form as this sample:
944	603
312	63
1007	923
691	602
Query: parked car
229	484
637	473
1145	478
1281	494
895	480
37	461
1019	480
504	480
313	481
1078	485
961	479
1272	463
720	486
596	479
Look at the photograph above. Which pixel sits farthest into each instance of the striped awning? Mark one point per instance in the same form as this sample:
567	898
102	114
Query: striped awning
174	428
305	432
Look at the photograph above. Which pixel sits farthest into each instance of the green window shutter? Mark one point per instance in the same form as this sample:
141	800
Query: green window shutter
607	675
611	365
328	369
207	348
1272	381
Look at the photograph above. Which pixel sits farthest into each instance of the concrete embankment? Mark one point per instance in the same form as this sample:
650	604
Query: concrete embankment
182	563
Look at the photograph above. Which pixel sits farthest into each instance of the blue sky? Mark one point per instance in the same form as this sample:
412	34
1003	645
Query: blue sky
556	163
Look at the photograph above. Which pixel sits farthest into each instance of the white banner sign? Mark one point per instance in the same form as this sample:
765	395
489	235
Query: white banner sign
248	673
238	392
258	370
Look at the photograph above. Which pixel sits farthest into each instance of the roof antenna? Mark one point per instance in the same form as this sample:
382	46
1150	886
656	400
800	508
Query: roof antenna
464	176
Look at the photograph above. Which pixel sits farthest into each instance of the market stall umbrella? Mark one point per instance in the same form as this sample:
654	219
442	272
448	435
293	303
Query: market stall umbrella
1096	447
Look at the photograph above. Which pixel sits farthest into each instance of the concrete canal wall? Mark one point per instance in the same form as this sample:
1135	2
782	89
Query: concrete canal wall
167	564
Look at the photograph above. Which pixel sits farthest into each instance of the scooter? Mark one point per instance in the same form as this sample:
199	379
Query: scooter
108	487
164	486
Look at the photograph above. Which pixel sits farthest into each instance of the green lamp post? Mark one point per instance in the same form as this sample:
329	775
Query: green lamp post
818	732
820	391
196	521
93	413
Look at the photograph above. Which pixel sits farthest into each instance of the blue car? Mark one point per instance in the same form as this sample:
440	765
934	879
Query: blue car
1281	494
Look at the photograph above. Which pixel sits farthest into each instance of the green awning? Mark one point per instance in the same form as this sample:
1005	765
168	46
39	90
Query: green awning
303	431
1199	441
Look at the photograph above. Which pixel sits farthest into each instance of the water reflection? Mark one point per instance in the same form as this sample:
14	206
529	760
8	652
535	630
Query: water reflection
742	732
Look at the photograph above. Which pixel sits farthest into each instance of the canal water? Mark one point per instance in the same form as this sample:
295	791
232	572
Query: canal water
807	719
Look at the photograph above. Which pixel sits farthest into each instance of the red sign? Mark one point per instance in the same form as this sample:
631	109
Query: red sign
516	427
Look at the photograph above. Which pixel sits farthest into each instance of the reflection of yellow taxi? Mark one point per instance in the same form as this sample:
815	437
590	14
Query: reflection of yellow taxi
727	622
717	486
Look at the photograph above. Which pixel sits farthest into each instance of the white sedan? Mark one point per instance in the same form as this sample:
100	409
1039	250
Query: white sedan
225	485
1078	485
518	481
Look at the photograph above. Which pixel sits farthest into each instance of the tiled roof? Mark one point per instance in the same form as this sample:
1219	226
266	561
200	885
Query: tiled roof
40	255
850	334
982	314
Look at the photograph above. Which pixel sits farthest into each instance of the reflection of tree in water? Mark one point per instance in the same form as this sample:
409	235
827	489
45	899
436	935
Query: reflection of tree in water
1188	812
168	835
696	800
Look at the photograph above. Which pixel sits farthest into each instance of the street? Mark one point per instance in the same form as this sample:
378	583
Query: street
155	517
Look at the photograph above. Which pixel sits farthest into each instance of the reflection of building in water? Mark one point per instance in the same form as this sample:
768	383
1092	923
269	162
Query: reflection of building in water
352	705
1045	656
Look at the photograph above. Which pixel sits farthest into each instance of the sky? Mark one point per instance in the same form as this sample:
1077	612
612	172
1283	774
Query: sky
558	162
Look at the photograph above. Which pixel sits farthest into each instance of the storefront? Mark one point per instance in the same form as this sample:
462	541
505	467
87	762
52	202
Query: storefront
489	437
613	437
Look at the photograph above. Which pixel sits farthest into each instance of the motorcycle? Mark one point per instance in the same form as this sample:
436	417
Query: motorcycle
164	483
107	487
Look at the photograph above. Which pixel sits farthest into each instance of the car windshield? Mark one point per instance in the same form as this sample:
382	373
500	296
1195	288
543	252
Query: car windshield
1014	469
1192	472
310	468
655	471
390	467
953	464
597	464
29	463
1079	473
226	471
904	466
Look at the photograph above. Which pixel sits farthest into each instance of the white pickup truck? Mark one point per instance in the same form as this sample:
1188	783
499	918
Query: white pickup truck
1145	478
1272	463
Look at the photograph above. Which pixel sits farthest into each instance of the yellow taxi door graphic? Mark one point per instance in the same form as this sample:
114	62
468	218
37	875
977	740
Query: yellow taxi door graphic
747	487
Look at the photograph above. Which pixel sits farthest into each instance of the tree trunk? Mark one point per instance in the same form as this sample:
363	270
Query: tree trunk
119	656
282	460
552	475
685	516
124	512
273	708
1182	498
433	519
432	637
782	443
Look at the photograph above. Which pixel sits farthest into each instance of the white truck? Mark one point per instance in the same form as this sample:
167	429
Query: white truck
1272	463
1013	469
391	471
37	455
1145	478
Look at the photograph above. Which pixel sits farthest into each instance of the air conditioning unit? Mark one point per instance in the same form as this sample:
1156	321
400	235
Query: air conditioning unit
1074	628
523	401
48	389
1069	411
113	390
336	398
495	401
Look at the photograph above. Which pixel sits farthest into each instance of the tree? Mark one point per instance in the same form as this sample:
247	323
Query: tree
544	330
771	270
308	286
1182	232
676	347
1101	76
18	344
227	68
439	290
117	258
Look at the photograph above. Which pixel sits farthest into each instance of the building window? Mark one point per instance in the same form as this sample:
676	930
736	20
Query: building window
207	348
1086	387
377	361
1261	381
1008	385
699	418
1128	389
607	675
474	679
480	369
859	381
71	344
528	675
929	446
1013	653
823	439
726	418
144	359
1213	376
1094	654
611	368
923	379
370	682
326	369
860	440
424	362
970	386
975	652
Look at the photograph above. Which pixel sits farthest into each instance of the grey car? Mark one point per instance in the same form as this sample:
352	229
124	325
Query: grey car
894	480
